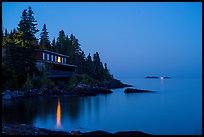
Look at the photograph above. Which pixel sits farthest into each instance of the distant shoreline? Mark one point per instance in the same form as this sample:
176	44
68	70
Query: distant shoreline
156	77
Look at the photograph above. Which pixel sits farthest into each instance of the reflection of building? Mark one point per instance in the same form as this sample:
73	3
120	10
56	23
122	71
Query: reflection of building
58	62
58	124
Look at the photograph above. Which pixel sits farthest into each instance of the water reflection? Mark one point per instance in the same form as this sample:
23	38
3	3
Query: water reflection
162	84
58	125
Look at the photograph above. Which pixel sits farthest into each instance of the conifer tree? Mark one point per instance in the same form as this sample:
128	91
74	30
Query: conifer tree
25	35
32	24
98	67
54	47
60	42
89	64
44	39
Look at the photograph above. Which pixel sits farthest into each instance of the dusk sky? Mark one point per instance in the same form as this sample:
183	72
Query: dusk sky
135	39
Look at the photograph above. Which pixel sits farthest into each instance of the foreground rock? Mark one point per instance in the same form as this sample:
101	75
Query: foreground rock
23	129
132	90
8	95
92	89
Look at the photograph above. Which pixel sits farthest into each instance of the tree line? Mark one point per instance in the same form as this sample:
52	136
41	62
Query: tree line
19	45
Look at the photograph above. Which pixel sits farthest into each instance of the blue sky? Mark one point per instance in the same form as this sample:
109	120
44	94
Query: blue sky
136	39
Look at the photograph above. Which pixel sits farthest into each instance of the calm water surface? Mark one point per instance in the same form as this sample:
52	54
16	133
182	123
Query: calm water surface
175	108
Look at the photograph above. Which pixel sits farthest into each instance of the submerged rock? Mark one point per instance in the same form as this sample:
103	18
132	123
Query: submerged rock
132	90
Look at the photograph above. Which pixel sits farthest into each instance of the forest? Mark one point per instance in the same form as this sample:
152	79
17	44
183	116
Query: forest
18	56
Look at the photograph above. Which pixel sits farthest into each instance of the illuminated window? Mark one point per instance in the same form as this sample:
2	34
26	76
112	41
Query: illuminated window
62	60
59	59
55	58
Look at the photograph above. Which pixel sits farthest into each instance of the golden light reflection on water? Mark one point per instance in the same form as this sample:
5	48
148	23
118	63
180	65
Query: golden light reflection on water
58	114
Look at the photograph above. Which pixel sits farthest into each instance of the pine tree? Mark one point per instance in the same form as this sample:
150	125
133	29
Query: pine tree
75	50
25	35
98	67
90	68
32	24
60	42
107	73
6	39
44	39
54	47
21	37
6	32
106	69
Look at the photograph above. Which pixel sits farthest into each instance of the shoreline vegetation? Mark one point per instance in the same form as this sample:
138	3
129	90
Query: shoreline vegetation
24	129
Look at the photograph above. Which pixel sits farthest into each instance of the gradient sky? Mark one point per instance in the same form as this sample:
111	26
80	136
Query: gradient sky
136	39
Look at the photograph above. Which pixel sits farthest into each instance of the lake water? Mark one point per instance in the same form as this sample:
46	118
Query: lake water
175	109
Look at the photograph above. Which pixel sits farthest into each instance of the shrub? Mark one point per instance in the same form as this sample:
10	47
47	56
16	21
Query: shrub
28	83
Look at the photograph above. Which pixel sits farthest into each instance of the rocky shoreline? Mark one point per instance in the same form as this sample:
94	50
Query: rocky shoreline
23	129
78	90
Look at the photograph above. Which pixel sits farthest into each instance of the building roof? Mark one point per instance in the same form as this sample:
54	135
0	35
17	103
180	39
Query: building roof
53	52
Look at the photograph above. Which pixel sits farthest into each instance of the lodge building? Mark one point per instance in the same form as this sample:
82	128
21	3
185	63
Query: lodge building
60	67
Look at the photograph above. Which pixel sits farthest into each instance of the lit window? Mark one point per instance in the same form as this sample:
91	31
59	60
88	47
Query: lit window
59	59
55	58
62	60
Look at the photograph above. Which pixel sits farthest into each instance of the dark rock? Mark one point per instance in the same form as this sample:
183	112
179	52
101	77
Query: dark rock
132	90
24	129
18	94
151	77
97	132
112	84
124	133
7	96
76	132
87	90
